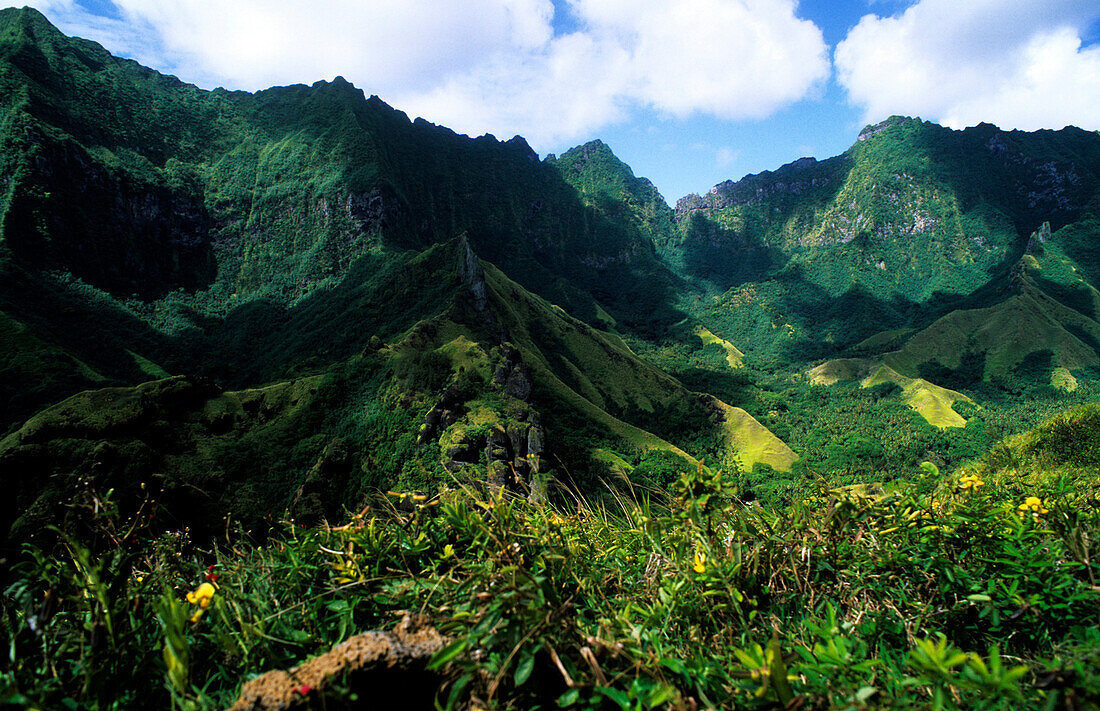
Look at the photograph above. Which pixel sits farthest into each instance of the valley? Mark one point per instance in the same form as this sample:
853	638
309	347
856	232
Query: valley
358	364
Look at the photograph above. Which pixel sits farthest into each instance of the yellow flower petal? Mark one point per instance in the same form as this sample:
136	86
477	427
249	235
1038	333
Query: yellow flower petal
700	562
201	595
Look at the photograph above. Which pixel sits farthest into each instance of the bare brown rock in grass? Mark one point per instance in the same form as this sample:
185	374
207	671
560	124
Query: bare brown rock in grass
382	668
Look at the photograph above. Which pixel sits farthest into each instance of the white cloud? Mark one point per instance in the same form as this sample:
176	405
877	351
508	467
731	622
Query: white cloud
410	44
732	59
725	156
486	65
136	40
1015	63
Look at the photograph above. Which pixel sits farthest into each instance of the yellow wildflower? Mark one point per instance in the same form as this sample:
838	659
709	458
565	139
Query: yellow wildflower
448	551
700	561
202	595
1033	505
970	482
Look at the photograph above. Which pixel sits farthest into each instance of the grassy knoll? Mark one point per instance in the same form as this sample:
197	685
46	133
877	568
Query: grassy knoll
734	357
932	402
751	442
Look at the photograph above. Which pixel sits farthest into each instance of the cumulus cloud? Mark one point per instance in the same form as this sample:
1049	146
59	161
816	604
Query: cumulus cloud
486	65
1015	63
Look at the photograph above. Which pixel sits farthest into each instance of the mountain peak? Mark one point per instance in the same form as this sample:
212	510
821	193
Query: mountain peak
894	121
27	14
595	150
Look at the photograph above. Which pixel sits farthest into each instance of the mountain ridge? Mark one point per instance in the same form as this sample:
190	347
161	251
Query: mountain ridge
473	311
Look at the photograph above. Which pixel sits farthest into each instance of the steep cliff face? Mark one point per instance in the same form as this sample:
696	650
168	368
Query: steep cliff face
69	211
283	294
185	218
272	194
607	184
911	210
913	221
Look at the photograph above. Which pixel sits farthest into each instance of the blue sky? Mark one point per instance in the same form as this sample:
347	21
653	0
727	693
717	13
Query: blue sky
688	92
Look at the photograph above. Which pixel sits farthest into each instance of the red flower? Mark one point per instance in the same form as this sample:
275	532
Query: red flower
304	689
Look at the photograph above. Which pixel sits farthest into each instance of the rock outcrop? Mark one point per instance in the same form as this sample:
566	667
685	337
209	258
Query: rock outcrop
385	669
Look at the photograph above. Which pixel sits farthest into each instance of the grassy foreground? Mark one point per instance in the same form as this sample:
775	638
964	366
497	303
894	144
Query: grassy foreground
970	591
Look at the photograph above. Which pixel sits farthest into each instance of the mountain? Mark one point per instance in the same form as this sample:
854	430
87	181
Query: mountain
292	299
950	273
280	367
302	295
904	226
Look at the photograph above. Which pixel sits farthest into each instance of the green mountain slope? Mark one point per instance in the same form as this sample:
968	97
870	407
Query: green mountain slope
270	193
908	224
609	185
489	381
188	223
467	310
1041	325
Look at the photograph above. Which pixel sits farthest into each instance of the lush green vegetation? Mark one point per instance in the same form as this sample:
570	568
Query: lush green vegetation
912	223
232	320
948	592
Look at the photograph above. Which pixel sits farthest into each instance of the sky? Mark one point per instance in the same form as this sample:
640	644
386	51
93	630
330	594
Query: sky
688	92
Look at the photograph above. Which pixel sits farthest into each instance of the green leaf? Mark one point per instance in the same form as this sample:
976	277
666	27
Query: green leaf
616	695
338	606
452	650
659	696
296	635
523	671
456	691
569	698
674	665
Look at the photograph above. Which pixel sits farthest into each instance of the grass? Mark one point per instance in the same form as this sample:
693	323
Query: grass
148	367
934	403
752	443
1005	334
734	357
1063	380
618	466
938	594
